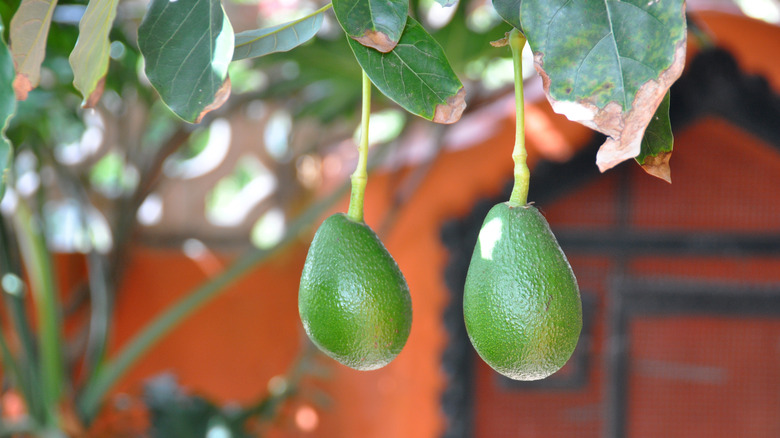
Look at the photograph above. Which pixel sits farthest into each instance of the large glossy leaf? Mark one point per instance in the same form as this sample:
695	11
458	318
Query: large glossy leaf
509	10
89	59
29	29
657	144
416	75
373	23
7	108
280	38
187	46
607	63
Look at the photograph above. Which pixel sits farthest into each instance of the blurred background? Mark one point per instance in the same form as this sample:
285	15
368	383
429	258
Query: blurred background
680	283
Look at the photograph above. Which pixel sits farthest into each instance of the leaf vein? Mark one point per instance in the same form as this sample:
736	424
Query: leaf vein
617	54
549	23
585	58
408	67
184	63
178	28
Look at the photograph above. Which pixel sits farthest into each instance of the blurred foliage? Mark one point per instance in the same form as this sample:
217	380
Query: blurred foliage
316	80
85	172
173	413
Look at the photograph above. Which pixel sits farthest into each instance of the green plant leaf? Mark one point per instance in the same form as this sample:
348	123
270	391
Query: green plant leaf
187	46
607	63
373	23
416	75
45	297
29	29
7	109
509	10
280	38
447	3
89	59
657	144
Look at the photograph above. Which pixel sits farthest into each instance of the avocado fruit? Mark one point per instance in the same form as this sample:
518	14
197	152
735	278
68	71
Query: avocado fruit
353	299
521	302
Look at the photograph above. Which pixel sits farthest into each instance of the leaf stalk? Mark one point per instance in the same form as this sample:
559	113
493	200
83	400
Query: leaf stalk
360	176
519	196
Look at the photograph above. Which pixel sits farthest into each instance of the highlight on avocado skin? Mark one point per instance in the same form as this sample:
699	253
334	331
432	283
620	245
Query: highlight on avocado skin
353	299
521	301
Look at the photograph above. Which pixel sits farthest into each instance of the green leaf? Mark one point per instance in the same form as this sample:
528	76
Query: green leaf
447	3
29	29
373	23
187	46
89	59
7	109
509	10
607	63
657	144
416	75
280	38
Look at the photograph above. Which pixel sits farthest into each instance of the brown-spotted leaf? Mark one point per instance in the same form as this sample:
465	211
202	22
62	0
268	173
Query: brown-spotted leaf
450	111
89	59
377	40
416	75
187	46
658	166
94	97
28	31
373	23
607	64
222	95
22	86
657	143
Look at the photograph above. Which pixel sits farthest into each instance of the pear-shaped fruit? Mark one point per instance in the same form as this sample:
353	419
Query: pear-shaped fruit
521	302
353	300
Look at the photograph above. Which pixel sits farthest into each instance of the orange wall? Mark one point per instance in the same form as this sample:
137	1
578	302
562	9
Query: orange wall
230	349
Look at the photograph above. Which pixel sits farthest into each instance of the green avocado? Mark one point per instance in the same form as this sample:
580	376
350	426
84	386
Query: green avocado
353	300
521	303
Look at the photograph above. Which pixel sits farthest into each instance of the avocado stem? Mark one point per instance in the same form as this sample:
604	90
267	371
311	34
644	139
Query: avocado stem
519	196
360	176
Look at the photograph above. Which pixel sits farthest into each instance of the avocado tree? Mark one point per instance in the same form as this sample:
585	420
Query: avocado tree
605	64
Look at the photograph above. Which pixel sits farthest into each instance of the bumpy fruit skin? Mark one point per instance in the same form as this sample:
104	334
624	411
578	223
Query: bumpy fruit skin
353	300
521	303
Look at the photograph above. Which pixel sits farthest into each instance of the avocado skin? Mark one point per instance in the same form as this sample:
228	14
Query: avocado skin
353	299
521	302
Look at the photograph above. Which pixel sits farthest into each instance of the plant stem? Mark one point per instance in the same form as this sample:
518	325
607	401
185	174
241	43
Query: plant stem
360	176
15	303
100	286
519	196
39	269
9	363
